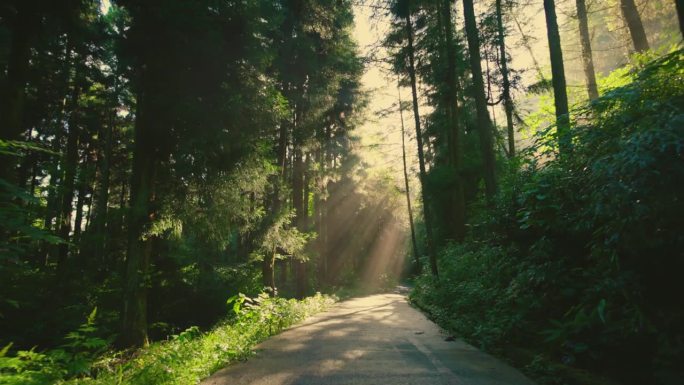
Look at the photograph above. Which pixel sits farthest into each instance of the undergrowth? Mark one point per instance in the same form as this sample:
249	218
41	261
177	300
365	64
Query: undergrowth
183	359
579	260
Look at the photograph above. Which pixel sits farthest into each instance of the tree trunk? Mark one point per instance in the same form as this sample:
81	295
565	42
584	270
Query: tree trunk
680	14
484	125
13	92
507	99
324	236
282	277
414	243
141	214
303	266
82	185
323	242
298	203
69	176
421	156
298	181
124	196
53	203
268	271
100	214
268	265
634	25
587	57
560	94
318	208
454	132
27	163
52	200
91	201
33	181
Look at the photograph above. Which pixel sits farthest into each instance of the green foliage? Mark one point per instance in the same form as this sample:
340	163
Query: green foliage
27	367
20	148
15	217
236	302
201	93
185	358
75	357
81	348
281	237
173	125
15	213
474	297
581	256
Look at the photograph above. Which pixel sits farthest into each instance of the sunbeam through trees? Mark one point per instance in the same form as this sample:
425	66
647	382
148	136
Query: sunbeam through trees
180	180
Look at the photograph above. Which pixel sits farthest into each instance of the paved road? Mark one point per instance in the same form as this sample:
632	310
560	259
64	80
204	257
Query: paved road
377	340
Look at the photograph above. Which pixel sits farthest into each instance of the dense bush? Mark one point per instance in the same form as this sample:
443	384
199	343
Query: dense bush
582	258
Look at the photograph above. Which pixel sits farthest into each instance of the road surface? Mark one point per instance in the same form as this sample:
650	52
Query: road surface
376	340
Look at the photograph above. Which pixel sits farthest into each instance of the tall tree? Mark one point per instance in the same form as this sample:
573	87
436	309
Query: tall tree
503	60
414	243
276	204
634	25
140	216
149	42
69	165
560	93
300	207
453	129
101	204
484	124
162	118
432	254
587	56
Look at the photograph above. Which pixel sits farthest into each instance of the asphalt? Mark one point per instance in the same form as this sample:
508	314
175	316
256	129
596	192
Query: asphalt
378	339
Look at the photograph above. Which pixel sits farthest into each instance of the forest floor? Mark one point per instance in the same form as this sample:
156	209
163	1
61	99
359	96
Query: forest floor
376	339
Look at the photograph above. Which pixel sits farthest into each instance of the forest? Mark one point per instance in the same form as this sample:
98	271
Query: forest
180	180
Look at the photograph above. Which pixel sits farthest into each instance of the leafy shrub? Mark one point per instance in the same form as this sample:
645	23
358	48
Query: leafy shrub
580	259
472	298
74	358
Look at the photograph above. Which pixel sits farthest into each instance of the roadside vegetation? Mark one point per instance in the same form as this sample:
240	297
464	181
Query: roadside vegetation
575	266
182	359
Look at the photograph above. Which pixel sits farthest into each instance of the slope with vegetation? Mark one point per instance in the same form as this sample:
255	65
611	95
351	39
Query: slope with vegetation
577	259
